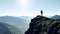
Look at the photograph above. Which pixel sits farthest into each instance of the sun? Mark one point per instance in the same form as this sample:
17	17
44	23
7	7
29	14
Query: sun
23	2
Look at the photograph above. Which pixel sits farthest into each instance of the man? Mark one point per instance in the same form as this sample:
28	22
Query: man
41	13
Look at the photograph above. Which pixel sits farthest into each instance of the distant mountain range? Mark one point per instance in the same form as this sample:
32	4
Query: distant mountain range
8	29
56	17
21	23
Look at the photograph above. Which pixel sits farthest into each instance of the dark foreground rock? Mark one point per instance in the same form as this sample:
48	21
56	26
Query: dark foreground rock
43	25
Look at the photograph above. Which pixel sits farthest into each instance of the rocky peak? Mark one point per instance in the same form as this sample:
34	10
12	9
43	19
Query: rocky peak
41	25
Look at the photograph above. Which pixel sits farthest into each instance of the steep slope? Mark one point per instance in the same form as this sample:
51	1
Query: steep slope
43	25
8	29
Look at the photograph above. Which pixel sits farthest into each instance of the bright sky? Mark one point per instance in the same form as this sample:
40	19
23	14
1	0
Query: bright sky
29	7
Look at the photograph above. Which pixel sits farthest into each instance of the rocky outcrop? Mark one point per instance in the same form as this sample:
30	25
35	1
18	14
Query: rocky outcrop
43	25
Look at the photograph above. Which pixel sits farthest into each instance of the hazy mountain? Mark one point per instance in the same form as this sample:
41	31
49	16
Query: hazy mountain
8	29
56	17
26	17
20	22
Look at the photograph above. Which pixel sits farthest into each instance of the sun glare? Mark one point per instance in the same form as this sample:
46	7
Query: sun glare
23	2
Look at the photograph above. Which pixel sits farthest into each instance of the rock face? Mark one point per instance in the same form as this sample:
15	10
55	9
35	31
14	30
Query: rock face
43	25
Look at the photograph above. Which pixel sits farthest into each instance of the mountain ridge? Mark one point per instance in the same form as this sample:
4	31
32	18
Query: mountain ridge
8	29
56	17
20	23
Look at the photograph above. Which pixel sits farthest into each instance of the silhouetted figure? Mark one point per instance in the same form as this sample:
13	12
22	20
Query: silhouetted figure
41	13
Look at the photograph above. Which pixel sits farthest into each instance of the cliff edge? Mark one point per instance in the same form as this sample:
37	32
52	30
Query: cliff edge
43	25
